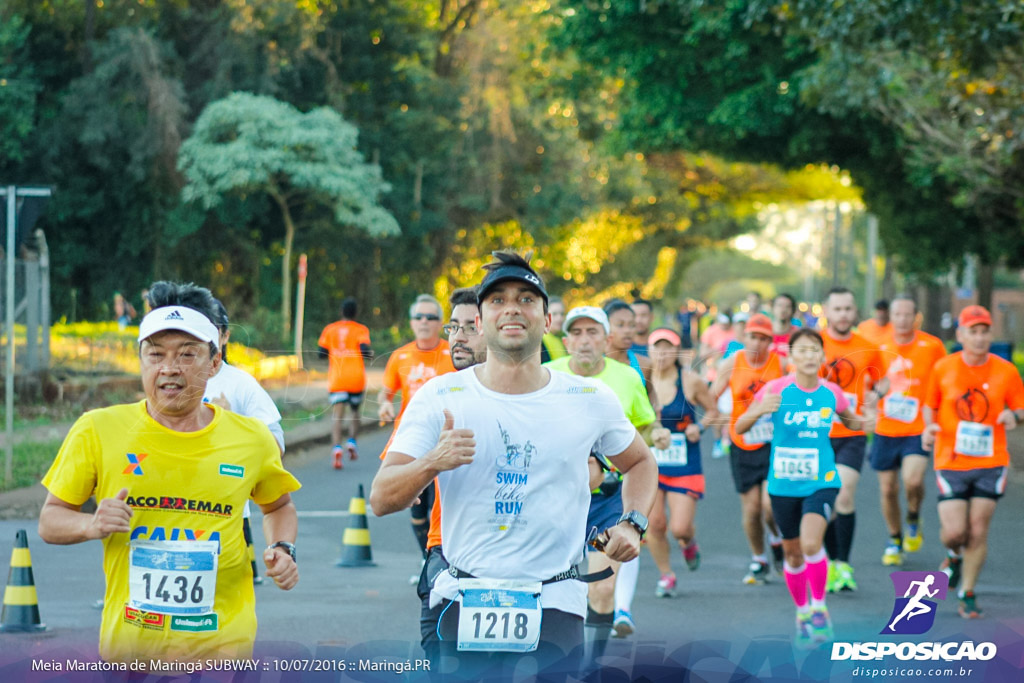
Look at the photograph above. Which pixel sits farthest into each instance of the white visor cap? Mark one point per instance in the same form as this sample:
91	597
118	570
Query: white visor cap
179	318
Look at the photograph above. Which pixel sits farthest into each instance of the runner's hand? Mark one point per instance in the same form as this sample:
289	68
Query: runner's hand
111	517
1007	419
222	401
455	447
281	568
623	542
928	436
386	412
661	438
692	433
770	403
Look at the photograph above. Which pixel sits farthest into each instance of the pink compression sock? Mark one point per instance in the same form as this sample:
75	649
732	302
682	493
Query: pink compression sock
817	574
796	581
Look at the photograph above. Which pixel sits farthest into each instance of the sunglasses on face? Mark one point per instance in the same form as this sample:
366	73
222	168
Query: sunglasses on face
426	316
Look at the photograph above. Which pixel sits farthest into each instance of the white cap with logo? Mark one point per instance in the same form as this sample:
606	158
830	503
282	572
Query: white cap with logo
592	312
179	318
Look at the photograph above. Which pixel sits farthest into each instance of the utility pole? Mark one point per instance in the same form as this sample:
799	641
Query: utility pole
300	308
13	193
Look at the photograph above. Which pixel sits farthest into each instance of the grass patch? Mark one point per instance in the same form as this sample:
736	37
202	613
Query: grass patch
31	461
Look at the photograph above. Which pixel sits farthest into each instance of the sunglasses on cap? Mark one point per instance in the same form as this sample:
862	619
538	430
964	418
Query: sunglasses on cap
425	316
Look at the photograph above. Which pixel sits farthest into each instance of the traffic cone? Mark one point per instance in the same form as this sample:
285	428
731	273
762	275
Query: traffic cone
355	544
21	605
250	551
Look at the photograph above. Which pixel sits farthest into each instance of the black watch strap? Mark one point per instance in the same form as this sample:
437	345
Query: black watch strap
288	547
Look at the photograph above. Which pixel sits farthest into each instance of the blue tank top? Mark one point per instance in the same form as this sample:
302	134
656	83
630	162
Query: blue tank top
683	457
802	457
634	363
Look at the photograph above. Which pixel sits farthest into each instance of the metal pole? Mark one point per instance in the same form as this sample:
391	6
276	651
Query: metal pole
12	216
300	309
869	289
44	295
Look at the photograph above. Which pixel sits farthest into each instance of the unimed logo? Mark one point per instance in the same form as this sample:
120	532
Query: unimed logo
916	592
913	614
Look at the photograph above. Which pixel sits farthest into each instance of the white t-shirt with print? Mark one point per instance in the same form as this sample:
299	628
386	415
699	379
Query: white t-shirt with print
247	397
519	510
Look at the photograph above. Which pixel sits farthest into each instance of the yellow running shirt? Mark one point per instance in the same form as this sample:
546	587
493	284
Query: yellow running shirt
182	486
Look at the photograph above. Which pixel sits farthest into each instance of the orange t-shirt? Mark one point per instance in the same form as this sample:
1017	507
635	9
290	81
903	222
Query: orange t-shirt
908	367
345	369
873	332
744	382
434	532
959	393
850	364
409	368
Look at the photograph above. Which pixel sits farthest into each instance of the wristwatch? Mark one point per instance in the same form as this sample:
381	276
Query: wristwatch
290	548
635	519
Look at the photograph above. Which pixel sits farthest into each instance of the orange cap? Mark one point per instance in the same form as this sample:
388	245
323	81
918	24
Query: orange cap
975	315
761	325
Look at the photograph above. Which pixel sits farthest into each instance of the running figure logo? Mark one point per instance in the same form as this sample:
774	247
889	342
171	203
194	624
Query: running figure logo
914	613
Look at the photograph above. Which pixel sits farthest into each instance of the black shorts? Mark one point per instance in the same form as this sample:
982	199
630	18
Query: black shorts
986	482
354	400
434	565
749	468
850	450
789	510
560	649
887	452
605	511
421	510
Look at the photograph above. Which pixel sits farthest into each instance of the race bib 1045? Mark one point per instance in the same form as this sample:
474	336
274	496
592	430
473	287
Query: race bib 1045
795	464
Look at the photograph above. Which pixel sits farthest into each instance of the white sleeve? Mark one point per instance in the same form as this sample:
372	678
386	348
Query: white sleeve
421	424
616	432
260	405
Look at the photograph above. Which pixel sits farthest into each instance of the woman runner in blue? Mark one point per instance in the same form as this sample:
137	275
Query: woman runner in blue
803	480
680	476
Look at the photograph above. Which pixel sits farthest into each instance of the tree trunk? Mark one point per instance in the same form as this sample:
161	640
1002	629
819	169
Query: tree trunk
986	283
286	270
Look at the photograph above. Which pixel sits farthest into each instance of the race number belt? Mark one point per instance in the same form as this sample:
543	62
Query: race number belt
676	454
900	408
795	464
572	572
173	577
499	615
761	432
974	440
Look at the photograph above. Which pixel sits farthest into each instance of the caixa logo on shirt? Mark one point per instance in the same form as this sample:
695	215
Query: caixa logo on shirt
914	614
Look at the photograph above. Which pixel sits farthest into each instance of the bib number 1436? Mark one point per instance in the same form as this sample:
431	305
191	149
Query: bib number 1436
499	615
173	577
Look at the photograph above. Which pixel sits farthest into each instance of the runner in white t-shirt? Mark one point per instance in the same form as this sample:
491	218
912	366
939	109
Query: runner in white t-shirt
509	442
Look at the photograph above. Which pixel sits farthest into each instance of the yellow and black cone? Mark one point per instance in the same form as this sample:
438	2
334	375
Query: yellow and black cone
251	551
355	544
21	605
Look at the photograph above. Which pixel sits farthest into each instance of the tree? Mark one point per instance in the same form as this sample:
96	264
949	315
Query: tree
18	88
247	144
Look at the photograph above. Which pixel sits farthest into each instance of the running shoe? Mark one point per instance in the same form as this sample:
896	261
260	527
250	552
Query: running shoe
803	638
968	607
913	539
350	446
756	573
821	625
337	454
832	582
666	586
623	625
777	558
845	582
717	451
691	554
892	557
951	568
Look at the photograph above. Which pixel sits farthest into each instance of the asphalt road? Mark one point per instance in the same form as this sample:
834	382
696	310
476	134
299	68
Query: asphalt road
713	625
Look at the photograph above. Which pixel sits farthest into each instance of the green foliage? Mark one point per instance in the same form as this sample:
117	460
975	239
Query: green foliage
18	89
31	461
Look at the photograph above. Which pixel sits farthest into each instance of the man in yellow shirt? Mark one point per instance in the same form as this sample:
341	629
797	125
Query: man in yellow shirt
171	475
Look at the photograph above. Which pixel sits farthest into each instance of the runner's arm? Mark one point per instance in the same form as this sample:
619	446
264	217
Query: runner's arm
854	421
280	523
721	383
639	488
698	393
62	523
768	404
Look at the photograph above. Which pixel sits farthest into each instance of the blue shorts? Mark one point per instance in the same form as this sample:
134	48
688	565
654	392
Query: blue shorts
789	510
850	450
887	452
605	511
354	400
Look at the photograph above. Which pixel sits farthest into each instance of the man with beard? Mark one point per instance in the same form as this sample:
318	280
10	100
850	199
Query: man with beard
855	364
510	442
